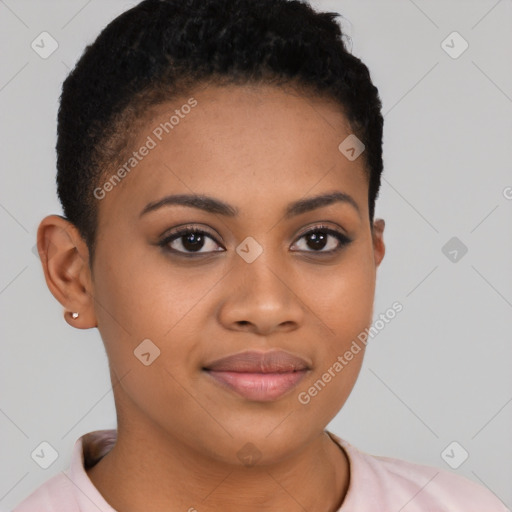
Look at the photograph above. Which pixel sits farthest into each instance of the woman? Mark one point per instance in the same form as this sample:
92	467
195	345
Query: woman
218	167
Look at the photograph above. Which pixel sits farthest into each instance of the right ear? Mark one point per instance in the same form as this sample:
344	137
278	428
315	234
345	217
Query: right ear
65	259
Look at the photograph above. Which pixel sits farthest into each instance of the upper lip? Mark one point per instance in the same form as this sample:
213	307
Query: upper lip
275	361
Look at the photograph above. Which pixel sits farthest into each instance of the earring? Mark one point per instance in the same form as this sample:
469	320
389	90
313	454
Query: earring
74	315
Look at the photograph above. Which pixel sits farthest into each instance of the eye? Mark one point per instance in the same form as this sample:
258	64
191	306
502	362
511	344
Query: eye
318	238
189	240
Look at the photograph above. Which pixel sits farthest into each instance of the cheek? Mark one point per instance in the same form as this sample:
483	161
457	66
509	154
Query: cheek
142	294
147	298
343	299
346	311
139	300
342	296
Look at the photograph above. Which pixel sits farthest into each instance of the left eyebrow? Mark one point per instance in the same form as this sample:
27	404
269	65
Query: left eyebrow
312	203
213	205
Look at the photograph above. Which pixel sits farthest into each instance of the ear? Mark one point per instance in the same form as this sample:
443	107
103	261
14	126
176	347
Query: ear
379	249
65	259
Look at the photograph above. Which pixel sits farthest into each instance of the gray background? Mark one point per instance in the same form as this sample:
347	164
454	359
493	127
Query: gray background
438	373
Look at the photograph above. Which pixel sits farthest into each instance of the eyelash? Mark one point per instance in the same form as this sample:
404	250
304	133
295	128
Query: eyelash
342	239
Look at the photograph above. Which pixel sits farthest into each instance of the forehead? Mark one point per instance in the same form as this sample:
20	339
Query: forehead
250	145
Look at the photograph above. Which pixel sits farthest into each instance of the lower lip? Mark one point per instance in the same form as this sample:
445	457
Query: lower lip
259	387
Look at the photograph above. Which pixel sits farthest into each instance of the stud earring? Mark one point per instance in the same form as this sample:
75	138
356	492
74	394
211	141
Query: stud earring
74	315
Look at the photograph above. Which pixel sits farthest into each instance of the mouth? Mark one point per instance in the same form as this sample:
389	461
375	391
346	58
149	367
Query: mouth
258	376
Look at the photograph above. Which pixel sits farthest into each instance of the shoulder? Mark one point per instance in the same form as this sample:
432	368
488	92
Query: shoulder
72	490
385	483
434	487
55	495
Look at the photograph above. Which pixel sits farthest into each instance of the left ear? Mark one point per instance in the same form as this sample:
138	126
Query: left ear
379	248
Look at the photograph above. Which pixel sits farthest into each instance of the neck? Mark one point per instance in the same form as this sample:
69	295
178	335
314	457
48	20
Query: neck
178	478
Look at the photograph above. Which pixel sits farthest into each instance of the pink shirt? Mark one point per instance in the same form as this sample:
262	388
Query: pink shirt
377	484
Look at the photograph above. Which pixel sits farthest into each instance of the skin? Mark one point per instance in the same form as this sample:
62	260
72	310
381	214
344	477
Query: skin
257	148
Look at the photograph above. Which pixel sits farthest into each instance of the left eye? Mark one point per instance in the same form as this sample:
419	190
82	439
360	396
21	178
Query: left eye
318	238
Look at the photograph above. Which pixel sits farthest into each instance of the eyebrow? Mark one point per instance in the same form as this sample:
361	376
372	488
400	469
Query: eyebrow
216	206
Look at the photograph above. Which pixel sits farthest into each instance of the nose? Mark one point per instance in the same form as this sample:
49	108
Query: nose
261	298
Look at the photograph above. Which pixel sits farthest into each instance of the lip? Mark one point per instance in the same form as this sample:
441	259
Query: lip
259	376
251	361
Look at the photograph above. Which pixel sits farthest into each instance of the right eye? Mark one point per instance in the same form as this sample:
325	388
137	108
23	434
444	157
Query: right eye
189	241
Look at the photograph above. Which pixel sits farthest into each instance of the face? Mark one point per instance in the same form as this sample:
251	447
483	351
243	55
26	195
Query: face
256	275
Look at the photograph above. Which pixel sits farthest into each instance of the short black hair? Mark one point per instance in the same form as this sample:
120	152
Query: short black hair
159	49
